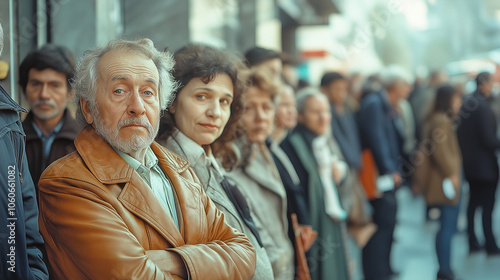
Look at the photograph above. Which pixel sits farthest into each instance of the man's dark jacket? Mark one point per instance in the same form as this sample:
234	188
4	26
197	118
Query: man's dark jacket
477	136
378	132
20	239
62	145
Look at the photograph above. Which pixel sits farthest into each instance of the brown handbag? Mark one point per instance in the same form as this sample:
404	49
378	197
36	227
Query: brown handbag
302	269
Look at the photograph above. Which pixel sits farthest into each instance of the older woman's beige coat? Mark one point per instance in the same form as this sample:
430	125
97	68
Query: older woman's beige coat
261	185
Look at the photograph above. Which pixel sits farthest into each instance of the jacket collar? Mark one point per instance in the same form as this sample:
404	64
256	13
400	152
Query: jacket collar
69	130
7	103
136	196
265	173
112	169
184	146
307	134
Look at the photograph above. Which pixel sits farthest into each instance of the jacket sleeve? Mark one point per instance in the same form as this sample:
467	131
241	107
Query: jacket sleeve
85	236
34	239
228	254
371	120
20	239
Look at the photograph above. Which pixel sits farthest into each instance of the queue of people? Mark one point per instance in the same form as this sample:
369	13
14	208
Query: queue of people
209	165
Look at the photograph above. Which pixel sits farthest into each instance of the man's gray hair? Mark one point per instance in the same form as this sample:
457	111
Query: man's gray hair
1	38
85	81
394	74
304	94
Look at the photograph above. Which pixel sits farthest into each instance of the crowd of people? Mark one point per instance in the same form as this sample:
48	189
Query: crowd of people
203	164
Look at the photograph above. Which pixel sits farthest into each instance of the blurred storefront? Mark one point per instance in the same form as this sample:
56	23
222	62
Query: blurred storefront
316	35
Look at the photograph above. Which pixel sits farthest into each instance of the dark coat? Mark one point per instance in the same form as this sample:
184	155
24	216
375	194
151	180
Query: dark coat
17	200
332	264
477	136
297	199
345	130
378	132
62	145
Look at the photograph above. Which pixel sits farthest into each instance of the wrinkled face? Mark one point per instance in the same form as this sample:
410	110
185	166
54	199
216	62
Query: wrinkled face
273	67
316	116
47	93
127	99
201	111
258	115
336	91
286	113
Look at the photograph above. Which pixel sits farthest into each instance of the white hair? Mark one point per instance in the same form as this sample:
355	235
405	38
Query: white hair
85	81
394	74
304	94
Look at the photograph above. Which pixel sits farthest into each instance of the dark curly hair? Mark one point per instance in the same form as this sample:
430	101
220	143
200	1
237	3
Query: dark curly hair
205	62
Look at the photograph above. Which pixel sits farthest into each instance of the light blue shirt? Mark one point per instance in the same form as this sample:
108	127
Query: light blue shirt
155	178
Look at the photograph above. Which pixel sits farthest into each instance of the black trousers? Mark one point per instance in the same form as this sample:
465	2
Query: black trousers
376	253
482	195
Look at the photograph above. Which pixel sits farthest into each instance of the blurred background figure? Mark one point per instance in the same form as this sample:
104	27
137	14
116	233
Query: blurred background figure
438	175
477	135
44	76
258	178
355	87
317	167
422	101
200	126
266	61
346	134
382	140
286	113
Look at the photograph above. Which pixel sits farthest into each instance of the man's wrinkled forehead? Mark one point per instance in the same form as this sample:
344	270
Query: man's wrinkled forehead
122	65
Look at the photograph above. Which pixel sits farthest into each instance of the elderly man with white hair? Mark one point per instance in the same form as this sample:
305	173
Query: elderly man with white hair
20	241
382	138
121	206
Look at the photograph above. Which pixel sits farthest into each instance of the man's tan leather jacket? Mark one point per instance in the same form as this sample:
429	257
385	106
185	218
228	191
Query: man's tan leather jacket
100	220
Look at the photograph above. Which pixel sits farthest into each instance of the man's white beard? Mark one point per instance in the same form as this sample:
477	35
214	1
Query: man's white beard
135	142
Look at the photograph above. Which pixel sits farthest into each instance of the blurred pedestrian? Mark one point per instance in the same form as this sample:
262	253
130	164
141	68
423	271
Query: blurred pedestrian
438	175
382	141
317	167
267	61
200	126
477	135
286	113
345	132
44	76
421	102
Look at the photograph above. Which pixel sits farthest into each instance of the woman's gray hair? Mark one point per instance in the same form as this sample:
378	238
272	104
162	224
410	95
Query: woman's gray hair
393	74
85	81
304	94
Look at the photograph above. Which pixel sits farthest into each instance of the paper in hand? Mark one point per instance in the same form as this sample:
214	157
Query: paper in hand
448	189
385	183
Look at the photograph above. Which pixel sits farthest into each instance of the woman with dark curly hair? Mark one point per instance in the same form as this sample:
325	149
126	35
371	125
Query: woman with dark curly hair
200	126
